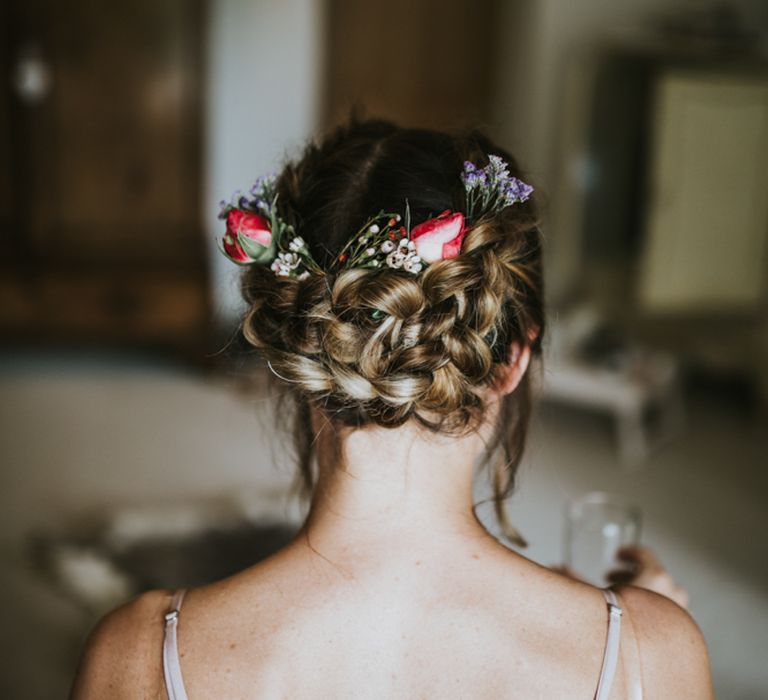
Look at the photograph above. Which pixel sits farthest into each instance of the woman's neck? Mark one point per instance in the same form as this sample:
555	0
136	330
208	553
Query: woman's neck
392	492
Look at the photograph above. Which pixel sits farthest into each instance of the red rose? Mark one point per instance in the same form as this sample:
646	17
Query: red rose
439	238
251	226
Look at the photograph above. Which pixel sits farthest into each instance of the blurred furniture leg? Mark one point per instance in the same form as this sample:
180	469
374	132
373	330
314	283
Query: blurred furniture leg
650	383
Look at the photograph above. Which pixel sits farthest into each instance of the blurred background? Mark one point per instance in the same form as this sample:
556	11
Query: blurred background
137	437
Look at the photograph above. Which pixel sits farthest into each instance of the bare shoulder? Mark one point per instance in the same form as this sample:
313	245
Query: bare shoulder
673	652
123	653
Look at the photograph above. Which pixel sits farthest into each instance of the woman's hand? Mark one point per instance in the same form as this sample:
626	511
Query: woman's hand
644	570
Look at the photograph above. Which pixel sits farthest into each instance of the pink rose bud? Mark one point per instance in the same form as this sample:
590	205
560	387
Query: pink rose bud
251	226
439	238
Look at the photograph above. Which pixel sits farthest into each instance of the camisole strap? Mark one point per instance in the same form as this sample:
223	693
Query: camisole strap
611	655
174	685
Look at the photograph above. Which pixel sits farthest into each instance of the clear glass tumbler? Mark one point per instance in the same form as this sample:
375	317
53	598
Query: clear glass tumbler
597	525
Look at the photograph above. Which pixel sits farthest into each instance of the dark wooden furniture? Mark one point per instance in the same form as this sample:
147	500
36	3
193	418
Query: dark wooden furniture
100	172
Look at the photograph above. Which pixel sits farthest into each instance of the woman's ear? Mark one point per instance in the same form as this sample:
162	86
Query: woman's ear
509	373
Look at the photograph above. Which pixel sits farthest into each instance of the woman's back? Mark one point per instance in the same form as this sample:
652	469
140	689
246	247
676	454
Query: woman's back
478	624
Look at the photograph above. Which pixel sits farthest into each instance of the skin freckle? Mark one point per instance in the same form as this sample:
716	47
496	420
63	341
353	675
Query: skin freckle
232	645
475	556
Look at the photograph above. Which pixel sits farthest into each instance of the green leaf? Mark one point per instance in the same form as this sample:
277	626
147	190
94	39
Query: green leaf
276	225
408	218
229	257
256	251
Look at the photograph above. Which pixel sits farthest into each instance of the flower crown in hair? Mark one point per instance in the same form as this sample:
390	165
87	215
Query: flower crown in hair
256	234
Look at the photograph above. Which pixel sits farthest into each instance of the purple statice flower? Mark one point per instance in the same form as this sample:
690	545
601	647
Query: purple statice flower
497	169
260	196
492	188
234	203
264	186
472	177
474	185
260	204
515	190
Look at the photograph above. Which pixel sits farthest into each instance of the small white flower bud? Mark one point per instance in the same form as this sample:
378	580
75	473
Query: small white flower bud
296	244
374	228
395	259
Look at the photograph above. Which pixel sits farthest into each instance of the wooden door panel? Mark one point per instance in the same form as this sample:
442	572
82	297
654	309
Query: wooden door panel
113	149
427	63
100	188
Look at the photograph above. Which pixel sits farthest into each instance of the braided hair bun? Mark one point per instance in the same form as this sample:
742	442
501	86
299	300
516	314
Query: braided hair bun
383	346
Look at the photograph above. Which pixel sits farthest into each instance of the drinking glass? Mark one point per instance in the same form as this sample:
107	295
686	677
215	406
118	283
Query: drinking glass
597	525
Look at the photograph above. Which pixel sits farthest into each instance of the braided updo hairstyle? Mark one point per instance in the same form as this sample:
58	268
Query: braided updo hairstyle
383	346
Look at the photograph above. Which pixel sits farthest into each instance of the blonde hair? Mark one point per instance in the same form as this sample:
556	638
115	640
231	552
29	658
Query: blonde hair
381	347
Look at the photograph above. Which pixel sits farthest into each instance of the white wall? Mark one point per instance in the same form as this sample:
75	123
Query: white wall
264	62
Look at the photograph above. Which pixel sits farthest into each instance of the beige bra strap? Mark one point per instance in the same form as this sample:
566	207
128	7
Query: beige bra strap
174	685
612	640
630	658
